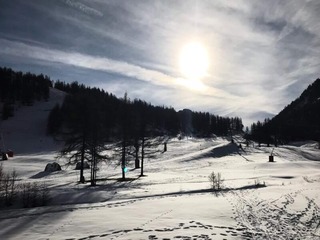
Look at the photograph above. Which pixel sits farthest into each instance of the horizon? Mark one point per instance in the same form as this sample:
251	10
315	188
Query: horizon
250	59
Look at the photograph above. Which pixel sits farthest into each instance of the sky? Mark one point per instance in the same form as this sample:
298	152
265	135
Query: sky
260	55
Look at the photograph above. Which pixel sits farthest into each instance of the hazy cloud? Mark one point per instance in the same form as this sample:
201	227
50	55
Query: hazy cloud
82	7
103	64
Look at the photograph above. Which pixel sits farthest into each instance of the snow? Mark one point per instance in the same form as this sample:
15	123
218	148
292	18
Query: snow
174	200
26	131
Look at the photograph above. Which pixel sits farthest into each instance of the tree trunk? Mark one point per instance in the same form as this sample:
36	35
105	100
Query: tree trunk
123	160
142	156
93	168
137	162
82	180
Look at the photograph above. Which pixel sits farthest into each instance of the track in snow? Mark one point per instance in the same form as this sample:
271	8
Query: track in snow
292	216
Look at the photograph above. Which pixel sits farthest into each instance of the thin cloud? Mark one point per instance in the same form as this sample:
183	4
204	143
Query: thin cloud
83	8
85	61
104	64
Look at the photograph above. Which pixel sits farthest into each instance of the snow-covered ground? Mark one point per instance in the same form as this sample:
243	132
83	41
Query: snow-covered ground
174	200
26	131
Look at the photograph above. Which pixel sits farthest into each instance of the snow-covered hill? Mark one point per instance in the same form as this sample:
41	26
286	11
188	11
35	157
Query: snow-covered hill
174	200
26	131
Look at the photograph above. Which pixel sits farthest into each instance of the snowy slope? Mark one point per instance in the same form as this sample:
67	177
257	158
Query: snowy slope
174	200
26	131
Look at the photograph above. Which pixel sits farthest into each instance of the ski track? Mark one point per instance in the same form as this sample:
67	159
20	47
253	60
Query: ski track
199	231
277	219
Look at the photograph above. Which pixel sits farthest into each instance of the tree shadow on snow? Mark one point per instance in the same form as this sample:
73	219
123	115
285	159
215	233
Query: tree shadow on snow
40	175
45	174
217	193
106	189
218	152
29	218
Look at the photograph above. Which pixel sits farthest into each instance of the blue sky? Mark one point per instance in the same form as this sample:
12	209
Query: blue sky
261	54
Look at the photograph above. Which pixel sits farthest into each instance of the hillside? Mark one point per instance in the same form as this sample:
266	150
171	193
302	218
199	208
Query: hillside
300	120
25	132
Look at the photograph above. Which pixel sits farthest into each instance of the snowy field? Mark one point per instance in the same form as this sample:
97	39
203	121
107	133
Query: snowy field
174	200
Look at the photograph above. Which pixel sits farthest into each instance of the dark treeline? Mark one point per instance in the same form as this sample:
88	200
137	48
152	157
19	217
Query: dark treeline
205	124
111	111
24	88
162	120
21	88
300	120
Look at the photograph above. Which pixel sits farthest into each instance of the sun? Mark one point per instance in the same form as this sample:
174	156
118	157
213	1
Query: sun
193	61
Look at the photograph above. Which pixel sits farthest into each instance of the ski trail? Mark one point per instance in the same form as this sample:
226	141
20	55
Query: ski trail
284	218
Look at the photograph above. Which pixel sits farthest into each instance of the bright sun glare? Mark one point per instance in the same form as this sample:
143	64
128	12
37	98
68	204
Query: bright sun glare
193	61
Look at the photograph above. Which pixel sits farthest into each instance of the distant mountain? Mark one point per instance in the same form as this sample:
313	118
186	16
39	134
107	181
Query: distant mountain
260	115
300	120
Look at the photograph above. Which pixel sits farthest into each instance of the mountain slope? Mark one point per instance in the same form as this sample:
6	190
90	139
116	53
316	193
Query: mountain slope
25	132
301	118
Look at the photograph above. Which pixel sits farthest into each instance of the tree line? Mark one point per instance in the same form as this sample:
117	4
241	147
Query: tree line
22	89
205	124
